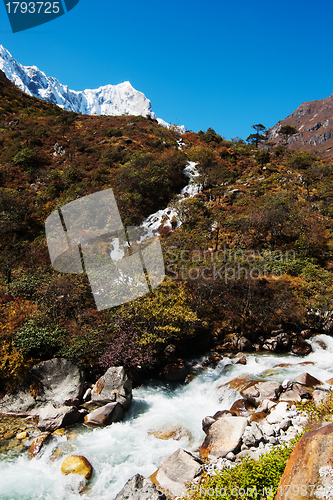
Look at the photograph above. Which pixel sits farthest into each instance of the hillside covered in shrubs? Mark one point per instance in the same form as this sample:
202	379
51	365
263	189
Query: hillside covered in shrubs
252	256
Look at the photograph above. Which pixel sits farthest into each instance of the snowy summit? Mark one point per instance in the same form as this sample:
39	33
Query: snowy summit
121	99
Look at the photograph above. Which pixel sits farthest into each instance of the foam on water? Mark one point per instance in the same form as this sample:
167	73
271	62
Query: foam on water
119	451
151	225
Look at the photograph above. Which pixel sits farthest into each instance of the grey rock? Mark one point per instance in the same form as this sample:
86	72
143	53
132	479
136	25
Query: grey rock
270	345
139	488
285	424
113	386
60	382
256	431
249	439
105	415
319	396
178	469
230	456
87	395
206	423
267	429
265	405
19	402
252	435
51	418
262	390
290	396
302	391
244	345
224	435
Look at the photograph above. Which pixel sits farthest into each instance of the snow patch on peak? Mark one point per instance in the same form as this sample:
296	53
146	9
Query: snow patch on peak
121	99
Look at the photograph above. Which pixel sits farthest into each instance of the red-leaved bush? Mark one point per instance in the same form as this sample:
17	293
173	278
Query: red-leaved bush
126	350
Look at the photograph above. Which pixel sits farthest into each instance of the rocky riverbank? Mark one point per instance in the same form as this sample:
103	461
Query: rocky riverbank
263	416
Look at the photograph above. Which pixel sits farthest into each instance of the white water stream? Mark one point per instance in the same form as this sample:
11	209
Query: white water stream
119	451
151	225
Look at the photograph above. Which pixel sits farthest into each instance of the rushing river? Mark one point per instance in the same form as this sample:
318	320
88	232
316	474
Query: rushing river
123	449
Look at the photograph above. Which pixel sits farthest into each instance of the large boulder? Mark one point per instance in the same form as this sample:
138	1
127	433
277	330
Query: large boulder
51	418
260	391
113	386
309	470
223	436
140	488
105	415
62	381
21	402
178	469
59	381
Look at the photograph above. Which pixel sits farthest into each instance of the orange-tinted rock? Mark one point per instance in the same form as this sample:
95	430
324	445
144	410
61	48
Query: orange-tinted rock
176	433
37	444
76	464
239	383
258	416
309	468
307	380
242	408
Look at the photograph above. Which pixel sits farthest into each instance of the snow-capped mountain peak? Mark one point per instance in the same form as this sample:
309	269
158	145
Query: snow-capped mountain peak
118	99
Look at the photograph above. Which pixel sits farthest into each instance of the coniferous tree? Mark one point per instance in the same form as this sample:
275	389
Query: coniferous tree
259	136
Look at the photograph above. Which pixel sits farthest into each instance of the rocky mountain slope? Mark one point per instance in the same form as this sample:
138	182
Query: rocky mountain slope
116	100
314	121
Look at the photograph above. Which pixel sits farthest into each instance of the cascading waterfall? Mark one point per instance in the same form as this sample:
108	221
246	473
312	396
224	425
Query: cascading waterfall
123	449
151	225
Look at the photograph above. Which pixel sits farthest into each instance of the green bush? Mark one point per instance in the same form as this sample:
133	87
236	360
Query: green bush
26	157
26	284
114	132
302	160
250	479
39	342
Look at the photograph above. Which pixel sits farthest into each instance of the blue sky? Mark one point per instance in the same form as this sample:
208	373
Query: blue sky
219	64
